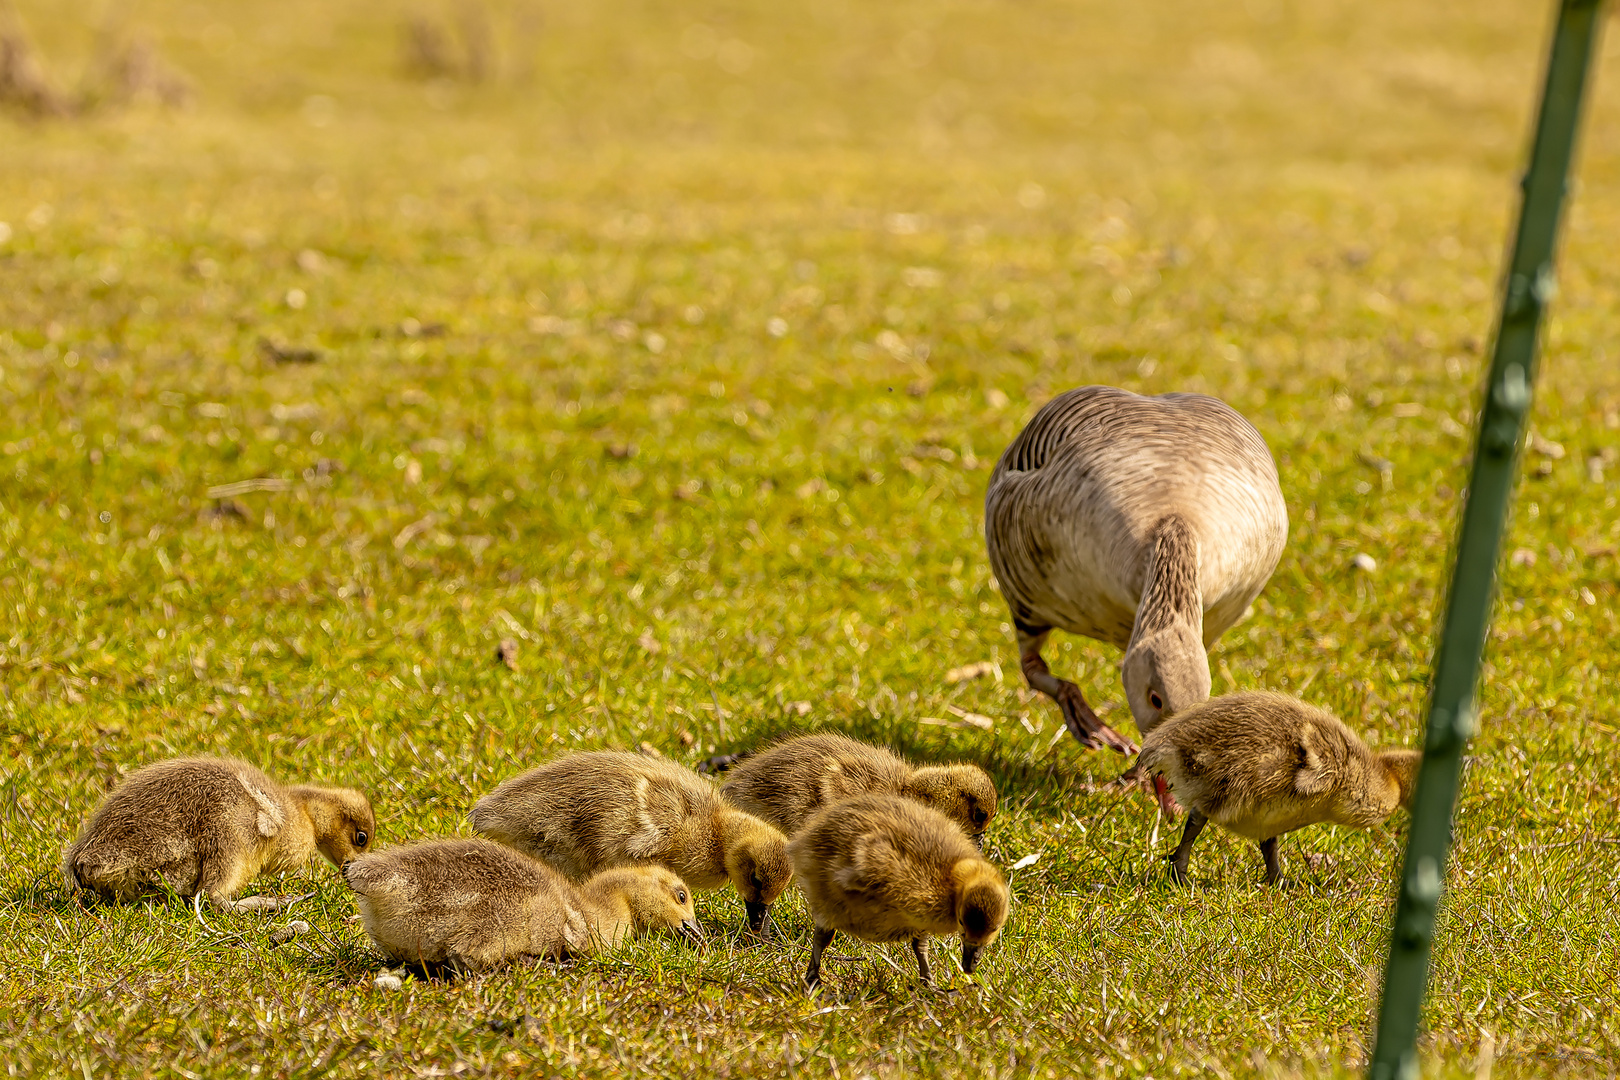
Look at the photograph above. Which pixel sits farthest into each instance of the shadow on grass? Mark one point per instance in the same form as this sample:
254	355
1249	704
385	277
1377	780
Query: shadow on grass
46	893
1050	787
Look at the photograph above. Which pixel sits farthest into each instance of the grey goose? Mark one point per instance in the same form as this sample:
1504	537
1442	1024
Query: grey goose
1150	523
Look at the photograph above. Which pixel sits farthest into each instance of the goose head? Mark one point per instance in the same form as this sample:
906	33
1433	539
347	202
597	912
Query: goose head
341	819
756	860
981	907
1164	672
963	793
655	896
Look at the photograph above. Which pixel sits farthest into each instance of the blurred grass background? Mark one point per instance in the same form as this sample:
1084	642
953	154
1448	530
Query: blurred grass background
342	341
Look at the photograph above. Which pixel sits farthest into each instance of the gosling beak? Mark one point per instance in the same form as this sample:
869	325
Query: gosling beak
759	917
1167	801
970	957
978	842
693	931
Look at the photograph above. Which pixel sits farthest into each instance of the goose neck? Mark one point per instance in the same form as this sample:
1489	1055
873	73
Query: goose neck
1170	589
608	913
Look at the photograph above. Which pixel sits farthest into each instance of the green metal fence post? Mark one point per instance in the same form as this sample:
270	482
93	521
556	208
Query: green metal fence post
1530	284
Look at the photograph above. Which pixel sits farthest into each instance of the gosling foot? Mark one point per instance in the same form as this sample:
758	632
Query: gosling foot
1183	853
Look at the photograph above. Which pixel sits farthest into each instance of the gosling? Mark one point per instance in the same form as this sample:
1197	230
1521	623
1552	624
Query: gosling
469	905
887	868
789	782
205	827
1263	764
590	811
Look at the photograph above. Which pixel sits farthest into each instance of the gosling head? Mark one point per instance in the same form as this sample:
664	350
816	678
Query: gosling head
656	897
1164	672
342	819
981	907
758	866
1401	766
963	793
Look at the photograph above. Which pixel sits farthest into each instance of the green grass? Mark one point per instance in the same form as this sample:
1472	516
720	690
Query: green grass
956	209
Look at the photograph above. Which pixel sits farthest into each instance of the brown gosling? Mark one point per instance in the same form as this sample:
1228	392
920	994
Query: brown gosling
589	811
788	783
887	868
1263	764
468	905
205	827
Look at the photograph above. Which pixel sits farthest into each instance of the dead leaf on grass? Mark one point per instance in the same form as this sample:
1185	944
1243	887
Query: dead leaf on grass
963	719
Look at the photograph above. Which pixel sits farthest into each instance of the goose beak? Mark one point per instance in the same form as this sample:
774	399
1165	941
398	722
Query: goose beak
970	957
759	917
1167	801
693	931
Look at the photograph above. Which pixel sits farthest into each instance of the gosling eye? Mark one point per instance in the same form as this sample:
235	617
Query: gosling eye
680	896
1155	700
360	838
980	817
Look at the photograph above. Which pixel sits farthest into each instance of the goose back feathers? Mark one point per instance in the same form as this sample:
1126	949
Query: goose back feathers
1075	502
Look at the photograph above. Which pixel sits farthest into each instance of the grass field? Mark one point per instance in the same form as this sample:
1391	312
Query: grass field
677	348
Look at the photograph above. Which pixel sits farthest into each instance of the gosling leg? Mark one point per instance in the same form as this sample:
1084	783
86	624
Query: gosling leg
919	949
1178	861
812	976
1268	852
1081	721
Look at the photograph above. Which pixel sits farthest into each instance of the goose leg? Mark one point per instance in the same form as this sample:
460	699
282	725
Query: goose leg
919	948
812	975
1268	852
1178	861
1082	722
